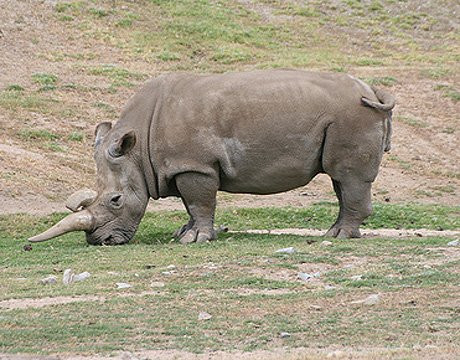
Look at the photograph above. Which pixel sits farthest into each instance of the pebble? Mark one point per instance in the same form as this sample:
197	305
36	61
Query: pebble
330	287
288	250
453	243
203	315
82	276
157	284
171	267
284	335
306	276
356	277
335	354
49	280
326	243
67	278
370	300
123	285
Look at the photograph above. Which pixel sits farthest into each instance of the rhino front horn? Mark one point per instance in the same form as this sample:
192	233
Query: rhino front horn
80	221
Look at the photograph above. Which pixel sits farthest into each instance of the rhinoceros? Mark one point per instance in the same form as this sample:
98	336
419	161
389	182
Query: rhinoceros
259	132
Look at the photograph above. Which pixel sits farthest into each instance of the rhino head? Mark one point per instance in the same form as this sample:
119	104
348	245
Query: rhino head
110	215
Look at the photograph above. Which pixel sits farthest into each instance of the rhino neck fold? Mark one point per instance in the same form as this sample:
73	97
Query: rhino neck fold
150	177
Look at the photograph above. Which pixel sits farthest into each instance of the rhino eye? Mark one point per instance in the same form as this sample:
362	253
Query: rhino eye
116	201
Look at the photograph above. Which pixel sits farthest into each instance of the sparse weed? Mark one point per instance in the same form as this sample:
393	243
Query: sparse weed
14	87
385	81
76	136
45	79
37	134
411	121
14	100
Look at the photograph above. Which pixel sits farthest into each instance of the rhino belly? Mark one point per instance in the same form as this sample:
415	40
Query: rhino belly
270	170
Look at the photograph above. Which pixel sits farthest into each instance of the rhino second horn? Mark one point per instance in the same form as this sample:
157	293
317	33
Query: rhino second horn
81	198
80	221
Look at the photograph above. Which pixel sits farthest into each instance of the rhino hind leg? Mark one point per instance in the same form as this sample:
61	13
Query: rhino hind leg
355	206
198	192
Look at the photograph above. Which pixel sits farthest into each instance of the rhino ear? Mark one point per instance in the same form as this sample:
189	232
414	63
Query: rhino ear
121	146
101	131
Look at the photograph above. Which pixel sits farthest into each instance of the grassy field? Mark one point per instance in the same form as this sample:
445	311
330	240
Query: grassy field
252	292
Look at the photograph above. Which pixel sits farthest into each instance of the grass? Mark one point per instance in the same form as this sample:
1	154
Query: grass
448	92
251	292
37	134
385	81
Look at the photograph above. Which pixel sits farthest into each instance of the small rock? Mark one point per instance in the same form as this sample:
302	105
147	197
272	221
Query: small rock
326	243
171	267
123	285
356	277
329	287
167	273
335	354
370	300
82	276
288	250
203	315
27	247
306	276
128	356
49	280
453	243
157	284
284	335
68	276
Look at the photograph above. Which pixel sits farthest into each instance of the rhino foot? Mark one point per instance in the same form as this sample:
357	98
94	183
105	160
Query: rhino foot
343	232
197	235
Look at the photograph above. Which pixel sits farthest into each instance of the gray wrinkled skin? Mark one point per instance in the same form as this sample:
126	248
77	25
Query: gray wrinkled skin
258	132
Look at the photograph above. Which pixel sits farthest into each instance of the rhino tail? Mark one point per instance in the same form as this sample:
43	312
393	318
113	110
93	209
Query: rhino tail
386	103
386	100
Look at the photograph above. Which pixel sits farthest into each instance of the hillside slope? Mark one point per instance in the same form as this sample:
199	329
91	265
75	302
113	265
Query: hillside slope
65	66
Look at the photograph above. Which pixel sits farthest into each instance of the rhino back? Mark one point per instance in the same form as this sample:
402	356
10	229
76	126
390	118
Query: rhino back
260	132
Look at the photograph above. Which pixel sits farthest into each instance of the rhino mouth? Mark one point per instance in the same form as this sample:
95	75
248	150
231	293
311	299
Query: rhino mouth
111	239
109	235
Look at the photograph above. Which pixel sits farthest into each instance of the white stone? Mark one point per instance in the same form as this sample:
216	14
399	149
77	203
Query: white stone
203	315
288	250
123	285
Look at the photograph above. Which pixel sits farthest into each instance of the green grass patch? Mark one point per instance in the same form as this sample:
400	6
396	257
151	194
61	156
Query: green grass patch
385	81
44	79
411	121
37	134
17	100
76	136
251	291
14	87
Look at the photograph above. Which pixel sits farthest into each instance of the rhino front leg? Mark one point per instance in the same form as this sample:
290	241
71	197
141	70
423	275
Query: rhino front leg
198	192
355	206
